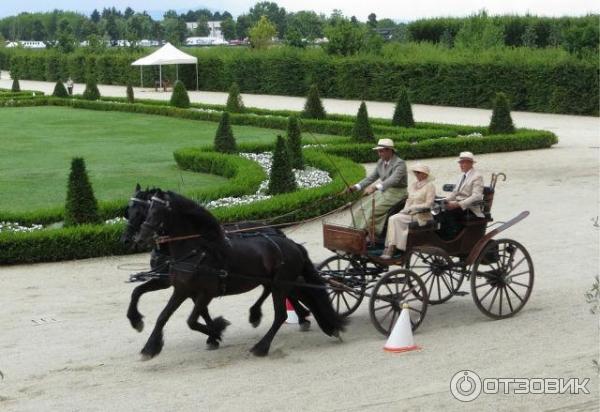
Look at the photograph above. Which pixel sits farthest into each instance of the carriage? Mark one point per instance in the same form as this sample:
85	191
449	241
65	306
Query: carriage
432	269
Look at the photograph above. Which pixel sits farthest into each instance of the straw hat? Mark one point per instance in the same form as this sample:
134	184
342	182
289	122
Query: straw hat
419	167
466	156
385	144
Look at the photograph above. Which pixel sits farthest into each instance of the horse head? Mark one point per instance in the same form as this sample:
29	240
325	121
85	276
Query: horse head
135	213
153	220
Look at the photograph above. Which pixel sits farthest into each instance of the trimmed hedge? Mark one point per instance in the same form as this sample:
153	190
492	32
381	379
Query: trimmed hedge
101	240
539	84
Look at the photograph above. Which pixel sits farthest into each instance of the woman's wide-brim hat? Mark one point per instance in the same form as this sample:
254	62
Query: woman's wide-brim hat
466	156
385	144
419	167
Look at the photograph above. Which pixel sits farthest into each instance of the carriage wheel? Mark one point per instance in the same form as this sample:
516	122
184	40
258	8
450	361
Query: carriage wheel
438	273
348	272
389	294
502	278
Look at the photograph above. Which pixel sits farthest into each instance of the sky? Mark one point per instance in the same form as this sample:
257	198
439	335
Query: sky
395	9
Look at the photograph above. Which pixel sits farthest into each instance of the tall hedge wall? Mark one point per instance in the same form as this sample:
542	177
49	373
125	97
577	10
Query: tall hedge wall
537	84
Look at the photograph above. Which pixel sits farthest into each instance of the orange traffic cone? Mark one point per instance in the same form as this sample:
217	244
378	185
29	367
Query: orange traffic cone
401	338
292	318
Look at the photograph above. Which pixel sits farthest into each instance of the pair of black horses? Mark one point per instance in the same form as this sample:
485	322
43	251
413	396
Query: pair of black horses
203	261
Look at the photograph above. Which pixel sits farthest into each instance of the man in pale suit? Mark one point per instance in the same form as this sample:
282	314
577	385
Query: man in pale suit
464	199
391	188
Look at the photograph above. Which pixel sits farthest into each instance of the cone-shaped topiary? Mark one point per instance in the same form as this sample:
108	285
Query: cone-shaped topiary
234	100
60	90
282	179
501	121
91	91
294	143
130	98
313	108
403	115
81	206
224	141
362	131
179	97
16	87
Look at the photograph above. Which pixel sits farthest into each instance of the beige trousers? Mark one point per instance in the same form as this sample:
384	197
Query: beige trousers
383	202
397	231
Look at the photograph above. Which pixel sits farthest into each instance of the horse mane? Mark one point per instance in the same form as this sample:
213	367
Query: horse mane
197	215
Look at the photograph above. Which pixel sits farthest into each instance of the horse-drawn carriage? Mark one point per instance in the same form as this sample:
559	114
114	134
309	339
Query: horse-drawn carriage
431	270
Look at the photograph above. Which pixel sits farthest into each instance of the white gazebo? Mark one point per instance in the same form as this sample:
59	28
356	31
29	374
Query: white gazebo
167	54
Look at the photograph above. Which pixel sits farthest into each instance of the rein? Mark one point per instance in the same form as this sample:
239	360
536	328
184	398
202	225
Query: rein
166	239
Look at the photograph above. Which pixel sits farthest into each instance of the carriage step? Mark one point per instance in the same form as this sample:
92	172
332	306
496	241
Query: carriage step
461	293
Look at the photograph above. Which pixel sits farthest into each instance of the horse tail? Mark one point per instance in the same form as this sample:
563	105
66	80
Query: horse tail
316	299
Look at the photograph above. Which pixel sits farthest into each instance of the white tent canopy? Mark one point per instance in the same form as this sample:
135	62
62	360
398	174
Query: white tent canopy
167	54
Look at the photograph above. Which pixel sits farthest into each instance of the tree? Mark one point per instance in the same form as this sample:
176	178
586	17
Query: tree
202	28
274	13
260	35
81	205
313	108
234	100
294	143
128	13
403	115
281	179
179	97
175	30
38	31
60	90
228	29
242	26
110	27
224	141
345	38
362	131
95	16
91	91
16	87
529	38
130	98
479	32
65	38
305	25
372	21
501	121
446	39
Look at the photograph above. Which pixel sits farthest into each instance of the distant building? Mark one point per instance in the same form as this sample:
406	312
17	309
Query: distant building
215	31
27	44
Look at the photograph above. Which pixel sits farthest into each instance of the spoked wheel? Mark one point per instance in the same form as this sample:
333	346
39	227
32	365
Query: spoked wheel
502	279
345	271
389	294
442	278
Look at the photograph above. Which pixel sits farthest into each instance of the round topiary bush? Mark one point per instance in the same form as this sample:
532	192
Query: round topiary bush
60	90
362	131
130	97
234	100
294	143
81	206
16	87
281	179
501	120
403	115
313	108
224	141
91	91
179	97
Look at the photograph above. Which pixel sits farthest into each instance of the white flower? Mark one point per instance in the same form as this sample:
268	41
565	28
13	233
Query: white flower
16	227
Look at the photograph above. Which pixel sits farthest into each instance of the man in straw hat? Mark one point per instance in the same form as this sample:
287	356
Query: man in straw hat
391	173
467	192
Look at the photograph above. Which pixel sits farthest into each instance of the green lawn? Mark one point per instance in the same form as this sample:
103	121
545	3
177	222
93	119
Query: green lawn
120	149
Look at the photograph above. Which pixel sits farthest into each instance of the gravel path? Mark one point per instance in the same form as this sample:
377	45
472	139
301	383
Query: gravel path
66	344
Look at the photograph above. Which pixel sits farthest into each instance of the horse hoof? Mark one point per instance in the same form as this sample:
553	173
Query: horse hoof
336	334
145	357
255	319
255	323
259	351
139	326
304	326
212	345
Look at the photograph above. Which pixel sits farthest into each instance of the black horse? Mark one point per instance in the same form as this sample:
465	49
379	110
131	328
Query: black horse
136	213
206	264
